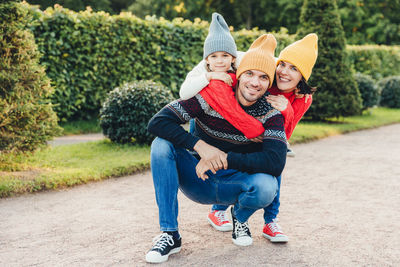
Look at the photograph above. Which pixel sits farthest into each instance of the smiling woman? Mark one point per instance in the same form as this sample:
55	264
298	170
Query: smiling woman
287	76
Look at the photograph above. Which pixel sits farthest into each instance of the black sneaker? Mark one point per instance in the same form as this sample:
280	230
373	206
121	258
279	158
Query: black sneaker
241	235
163	246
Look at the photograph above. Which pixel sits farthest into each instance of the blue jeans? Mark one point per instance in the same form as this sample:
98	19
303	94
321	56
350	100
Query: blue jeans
174	167
270	212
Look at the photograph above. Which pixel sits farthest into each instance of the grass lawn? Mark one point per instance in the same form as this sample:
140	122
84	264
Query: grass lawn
68	165
310	131
81	127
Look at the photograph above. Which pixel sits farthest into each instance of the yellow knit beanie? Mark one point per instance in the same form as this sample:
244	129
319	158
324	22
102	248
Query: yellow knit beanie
260	56
302	54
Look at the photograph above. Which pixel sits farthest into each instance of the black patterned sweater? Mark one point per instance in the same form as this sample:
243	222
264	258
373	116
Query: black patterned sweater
243	155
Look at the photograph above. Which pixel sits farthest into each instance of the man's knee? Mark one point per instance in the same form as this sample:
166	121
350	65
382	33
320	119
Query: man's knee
161	148
267	187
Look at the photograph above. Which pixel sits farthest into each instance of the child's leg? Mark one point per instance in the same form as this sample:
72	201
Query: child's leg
191	126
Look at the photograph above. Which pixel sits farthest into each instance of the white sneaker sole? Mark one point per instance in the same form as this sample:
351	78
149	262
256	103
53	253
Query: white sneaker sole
277	239
291	154
224	228
155	257
243	241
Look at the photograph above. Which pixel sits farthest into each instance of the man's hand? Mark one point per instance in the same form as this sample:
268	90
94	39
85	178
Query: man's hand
202	167
211	159
223	76
278	102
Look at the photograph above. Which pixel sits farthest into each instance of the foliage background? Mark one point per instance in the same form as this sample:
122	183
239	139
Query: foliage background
364	21
87	54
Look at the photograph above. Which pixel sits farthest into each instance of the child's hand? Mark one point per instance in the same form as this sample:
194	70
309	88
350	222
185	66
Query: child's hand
278	102
258	139
298	95
222	76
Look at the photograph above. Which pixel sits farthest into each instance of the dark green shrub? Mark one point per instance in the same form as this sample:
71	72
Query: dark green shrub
26	116
368	90
390	92
337	93
128	109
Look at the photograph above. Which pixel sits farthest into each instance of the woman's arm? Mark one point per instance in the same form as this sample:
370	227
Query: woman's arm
299	107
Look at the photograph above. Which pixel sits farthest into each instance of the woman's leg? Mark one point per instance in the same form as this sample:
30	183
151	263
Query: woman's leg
271	212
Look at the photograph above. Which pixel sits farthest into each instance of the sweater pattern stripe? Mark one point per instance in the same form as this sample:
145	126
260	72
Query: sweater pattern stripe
215	126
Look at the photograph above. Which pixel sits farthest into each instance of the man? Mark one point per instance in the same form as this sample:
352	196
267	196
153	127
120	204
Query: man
218	164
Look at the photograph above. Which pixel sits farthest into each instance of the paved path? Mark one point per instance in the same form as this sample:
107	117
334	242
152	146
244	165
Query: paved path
74	139
340	207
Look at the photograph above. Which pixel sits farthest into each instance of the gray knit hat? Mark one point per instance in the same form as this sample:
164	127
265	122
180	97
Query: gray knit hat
219	38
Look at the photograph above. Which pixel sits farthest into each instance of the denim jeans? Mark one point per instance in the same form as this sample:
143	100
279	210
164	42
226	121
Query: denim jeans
270	212
174	167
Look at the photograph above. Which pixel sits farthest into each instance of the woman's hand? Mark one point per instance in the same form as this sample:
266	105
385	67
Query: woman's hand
278	102
222	76
298	95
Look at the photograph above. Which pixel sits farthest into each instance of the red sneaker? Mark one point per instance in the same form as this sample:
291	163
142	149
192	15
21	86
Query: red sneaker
219	220
273	232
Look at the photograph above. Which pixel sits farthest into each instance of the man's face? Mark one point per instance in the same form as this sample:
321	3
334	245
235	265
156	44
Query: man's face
252	85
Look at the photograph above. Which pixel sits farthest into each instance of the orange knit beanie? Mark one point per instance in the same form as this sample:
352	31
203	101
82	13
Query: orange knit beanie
260	56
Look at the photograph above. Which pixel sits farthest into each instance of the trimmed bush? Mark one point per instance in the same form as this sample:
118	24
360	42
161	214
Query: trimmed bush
337	94
368	90
244	38
378	61
87	53
390	92
26	116
128	109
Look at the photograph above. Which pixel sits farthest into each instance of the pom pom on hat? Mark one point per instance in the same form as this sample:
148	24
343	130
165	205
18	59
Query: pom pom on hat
260	56
302	54
219	38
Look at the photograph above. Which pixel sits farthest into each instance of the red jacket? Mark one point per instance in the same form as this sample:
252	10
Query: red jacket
294	111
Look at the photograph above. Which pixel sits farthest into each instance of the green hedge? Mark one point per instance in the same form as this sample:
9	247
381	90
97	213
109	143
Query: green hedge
87	54
378	61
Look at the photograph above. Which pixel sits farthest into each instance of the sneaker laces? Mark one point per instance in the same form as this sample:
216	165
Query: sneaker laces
161	241
221	216
274	226
241	229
